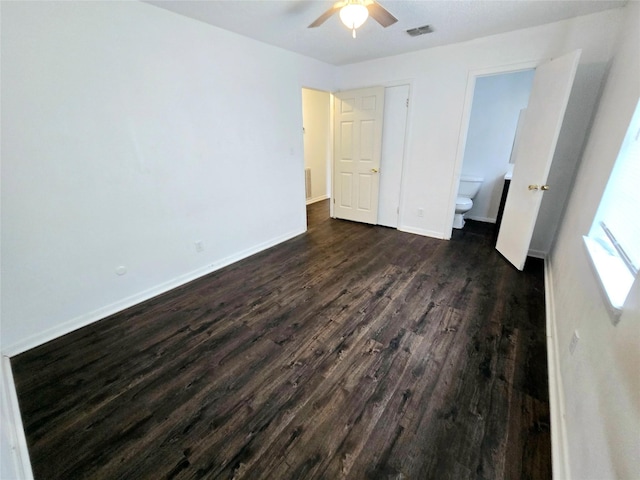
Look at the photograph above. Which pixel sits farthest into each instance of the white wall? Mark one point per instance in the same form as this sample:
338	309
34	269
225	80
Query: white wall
439	81
497	101
600	381
129	133
317	140
121	144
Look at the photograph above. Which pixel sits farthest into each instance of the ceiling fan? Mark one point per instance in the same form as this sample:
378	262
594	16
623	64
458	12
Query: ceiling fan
353	14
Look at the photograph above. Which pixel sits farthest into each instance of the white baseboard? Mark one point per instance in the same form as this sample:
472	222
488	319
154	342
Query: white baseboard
103	312
12	424
480	219
317	199
423	232
559	446
537	254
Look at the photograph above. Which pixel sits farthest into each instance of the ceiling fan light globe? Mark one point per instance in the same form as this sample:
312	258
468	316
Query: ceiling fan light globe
353	15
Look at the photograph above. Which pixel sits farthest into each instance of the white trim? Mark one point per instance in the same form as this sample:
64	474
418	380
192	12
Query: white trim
480	219
13	426
398	83
423	232
406	154
332	190
537	254
103	312
613	276
559	449
317	199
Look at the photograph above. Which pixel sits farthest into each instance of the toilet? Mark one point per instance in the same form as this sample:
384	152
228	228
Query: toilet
469	187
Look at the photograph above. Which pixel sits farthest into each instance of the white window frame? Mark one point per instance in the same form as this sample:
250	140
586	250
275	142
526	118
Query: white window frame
612	266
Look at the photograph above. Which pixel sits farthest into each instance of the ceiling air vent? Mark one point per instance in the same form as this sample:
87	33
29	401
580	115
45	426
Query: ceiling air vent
414	32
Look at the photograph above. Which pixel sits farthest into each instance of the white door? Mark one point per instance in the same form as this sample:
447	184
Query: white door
542	122
357	148
396	102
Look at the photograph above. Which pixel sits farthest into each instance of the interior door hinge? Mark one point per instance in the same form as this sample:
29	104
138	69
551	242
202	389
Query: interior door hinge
407	103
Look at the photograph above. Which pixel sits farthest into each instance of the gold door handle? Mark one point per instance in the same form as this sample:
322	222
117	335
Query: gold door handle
533	187
544	187
374	170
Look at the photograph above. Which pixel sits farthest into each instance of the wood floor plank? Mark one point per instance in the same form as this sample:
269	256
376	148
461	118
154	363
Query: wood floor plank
349	352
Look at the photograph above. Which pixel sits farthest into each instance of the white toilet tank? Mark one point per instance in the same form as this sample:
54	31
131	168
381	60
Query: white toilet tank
469	186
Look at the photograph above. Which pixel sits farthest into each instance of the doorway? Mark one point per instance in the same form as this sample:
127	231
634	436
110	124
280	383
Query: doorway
537	141
498	101
316	131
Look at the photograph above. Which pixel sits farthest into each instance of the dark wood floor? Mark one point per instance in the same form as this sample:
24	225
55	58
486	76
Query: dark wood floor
349	352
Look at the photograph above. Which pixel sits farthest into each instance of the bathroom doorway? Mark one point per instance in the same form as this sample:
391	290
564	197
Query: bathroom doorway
498	100
540	141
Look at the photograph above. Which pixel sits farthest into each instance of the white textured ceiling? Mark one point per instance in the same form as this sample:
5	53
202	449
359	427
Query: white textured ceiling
284	23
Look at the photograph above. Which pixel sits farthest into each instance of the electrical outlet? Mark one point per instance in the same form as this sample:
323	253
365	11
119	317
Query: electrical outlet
199	246
421	212
574	342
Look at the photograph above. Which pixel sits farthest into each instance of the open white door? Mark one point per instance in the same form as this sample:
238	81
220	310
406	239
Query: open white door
357	146
542	122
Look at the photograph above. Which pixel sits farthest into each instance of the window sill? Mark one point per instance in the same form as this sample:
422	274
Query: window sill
614	277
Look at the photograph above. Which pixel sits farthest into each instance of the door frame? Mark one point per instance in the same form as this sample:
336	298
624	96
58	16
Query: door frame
406	153
329	171
406	146
464	125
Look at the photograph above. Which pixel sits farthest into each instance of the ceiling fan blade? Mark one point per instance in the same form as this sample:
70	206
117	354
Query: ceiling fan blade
325	16
381	14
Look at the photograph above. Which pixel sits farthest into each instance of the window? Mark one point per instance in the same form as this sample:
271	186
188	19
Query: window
613	242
